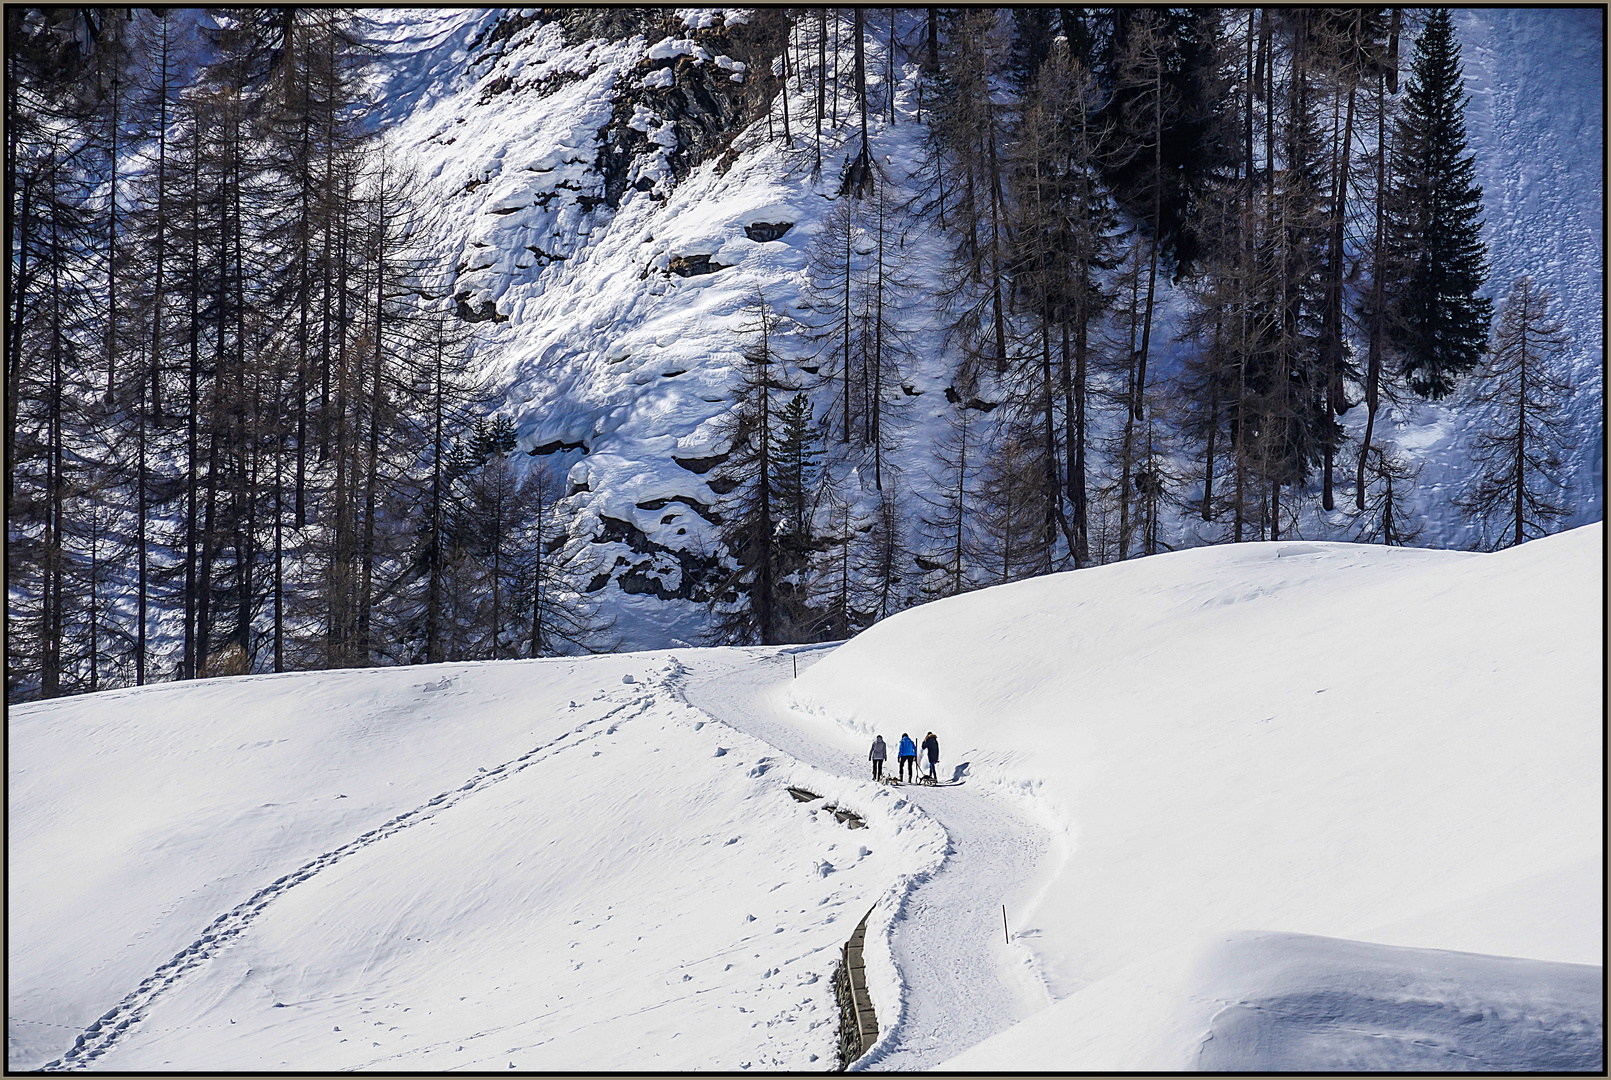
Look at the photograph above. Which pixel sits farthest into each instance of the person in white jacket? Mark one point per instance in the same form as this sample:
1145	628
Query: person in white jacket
878	755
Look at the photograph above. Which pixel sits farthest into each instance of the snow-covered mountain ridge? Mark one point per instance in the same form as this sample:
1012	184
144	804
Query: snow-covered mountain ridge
596	200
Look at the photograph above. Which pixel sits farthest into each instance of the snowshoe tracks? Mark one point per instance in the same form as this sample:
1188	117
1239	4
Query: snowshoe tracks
99	1037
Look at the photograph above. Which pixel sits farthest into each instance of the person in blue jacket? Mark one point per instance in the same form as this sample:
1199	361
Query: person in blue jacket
908	758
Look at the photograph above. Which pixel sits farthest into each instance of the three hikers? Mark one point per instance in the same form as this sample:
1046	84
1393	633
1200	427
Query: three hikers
906	755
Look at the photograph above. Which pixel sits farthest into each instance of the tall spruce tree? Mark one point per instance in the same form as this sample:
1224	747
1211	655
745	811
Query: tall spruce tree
795	469
1440	324
752	506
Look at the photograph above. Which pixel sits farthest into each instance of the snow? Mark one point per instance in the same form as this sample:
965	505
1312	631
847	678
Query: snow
406	870
1265	806
1295	1002
1197	782
602	342
941	974
1300	738
671	48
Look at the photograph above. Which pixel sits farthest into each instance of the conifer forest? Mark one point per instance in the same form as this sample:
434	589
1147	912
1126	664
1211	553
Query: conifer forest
1017	291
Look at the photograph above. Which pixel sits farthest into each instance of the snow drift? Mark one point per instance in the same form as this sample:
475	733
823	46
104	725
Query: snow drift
1294	1003
1384	745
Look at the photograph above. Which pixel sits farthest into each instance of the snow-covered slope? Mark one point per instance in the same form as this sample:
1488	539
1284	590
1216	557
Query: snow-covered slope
613	366
544	864
1297	1003
1537	123
1394	746
1272	772
570	183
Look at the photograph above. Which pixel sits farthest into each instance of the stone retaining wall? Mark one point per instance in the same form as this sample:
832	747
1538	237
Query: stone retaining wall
858	1025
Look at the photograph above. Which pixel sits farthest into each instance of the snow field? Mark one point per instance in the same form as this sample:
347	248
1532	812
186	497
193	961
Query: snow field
1293	789
1390	745
618	884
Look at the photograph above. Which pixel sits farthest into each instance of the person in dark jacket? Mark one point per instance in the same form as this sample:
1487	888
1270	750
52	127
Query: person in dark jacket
931	746
877	756
908	759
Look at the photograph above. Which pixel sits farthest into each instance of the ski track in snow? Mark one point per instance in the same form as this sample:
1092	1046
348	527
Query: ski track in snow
960	981
95	1040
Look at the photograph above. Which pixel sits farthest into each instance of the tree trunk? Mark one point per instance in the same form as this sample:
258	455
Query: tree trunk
433	588
1157	240
1213	426
1334	404
765	583
111	249
1373	371
875	403
864	160
788	137
187	666
848	230
1394	25
1521	418
995	243
20	285
889	65
822	81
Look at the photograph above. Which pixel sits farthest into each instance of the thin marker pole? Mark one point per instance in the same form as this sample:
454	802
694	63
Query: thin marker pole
1004	924
796	658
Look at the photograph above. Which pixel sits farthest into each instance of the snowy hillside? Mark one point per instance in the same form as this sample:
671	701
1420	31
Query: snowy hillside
610	280
481	866
1215	789
1392	746
1539	130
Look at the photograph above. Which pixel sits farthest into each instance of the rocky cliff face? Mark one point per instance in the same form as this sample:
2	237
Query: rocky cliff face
567	160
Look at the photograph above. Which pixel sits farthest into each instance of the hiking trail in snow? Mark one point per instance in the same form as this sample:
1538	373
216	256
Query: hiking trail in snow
957	981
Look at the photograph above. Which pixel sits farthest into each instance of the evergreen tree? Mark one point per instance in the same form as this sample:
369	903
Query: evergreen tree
1010	542
834	583
746	606
564	620
50	340
797	486
525	600
444	399
795	471
1440	324
835	272
947	523
881	583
